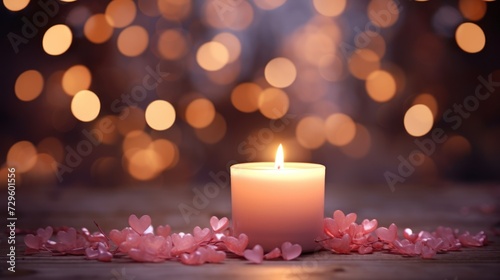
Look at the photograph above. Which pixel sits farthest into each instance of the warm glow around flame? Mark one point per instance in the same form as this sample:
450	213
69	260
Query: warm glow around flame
279	161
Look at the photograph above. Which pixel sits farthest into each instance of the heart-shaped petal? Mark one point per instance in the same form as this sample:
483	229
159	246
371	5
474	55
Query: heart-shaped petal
202	235
365	250
91	254
219	225
183	244
236	245
275	253
255	255
139	225
369	226
163	230
387	234
331	228
45	234
409	235
33	242
289	251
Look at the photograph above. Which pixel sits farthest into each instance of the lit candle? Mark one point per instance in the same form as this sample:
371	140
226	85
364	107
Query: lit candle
274	202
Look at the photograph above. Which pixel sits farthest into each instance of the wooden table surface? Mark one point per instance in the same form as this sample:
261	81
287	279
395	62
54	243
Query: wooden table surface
466	207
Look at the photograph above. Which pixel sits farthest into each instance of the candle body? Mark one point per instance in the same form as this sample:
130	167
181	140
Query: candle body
272	206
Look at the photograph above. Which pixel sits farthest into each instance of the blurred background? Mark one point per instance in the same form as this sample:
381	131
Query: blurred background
111	94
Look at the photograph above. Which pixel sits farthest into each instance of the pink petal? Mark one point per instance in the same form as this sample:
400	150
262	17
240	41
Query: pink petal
183	244
255	255
33	242
236	245
219	225
139	225
91	254
275	253
163	230
202	235
365	250
331	228
289	251
45	234
369	226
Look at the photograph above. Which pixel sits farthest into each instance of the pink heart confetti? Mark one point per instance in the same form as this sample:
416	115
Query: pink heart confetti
33	242
45	234
388	235
139	225
255	255
369	226
341	234
289	251
183	243
163	230
219	225
202	235
275	253
236	245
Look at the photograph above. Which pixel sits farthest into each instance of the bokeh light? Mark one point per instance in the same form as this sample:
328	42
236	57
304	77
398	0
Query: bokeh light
418	120
29	85
310	132
269	4
15	5
120	13
200	113
85	106
231	42
472	9
280	72
383	13
57	39
22	155
133	40
97	29
470	37
273	103
245	97
429	101
212	56
363	62
360	145
340	129
329	8
172	44
380	86
214	132
174	9
75	79
160	115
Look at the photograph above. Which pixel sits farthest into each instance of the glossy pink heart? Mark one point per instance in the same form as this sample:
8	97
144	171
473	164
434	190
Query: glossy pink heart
236	245
202	235
365	250
32	241
331	228
340	245
369	226
255	255
387	234
45	234
289	251
67	238
219	225
211	255
163	230
118	237
183	243
275	253
91	254
139	225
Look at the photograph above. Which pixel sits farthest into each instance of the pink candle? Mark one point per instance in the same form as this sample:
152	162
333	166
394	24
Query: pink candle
274	202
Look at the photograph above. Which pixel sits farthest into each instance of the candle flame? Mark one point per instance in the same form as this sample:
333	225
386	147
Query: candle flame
279	161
